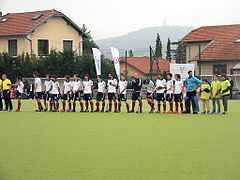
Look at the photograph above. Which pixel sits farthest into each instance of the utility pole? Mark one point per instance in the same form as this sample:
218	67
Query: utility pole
126	70
151	62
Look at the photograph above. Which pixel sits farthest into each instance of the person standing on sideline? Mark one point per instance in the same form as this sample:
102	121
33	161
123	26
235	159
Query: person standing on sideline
150	86
87	92
205	95
19	93
136	94
6	92
215	95
122	92
47	89
178	93
169	93
101	90
160	89
38	91
1	105
191	84
111	88
225	92
67	88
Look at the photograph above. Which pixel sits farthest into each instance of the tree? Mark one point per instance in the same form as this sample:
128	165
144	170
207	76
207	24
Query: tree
88	42
180	53
168	52
158	47
130	52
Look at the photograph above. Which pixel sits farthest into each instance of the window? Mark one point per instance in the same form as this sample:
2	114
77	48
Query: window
43	47
12	47
37	16
219	69
67	45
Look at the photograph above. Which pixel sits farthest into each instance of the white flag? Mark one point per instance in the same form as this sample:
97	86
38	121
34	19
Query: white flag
97	58
115	59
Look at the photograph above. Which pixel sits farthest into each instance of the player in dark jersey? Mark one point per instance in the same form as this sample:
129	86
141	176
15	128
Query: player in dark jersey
136	95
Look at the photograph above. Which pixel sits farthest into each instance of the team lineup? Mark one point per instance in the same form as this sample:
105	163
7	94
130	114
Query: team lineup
171	92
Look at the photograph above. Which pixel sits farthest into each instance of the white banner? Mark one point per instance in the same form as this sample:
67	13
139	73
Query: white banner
115	59
97	58
181	69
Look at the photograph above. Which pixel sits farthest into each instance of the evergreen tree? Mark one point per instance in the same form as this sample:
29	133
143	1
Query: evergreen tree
130	53
168	52
158	47
88	42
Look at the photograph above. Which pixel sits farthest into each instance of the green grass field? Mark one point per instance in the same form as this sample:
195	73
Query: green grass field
100	146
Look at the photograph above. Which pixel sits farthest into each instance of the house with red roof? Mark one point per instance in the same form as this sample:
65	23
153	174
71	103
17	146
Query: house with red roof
141	65
214	49
38	32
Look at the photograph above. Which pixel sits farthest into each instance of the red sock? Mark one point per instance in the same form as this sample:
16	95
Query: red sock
40	106
171	106
181	106
74	106
103	105
81	106
86	104
115	106
119	106
159	107
127	106
91	104
149	103
97	104
176	106
19	105
64	105
152	105
164	106
110	106
69	106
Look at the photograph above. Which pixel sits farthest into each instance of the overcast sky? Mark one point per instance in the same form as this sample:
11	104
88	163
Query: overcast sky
108	18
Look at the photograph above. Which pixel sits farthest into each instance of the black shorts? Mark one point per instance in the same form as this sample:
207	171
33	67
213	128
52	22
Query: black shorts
47	96
87	97
54	97
160	97
111	96
178	97
66	97
76	96
100	96
18	95
169	97
122	97
136	96
38	95
149	95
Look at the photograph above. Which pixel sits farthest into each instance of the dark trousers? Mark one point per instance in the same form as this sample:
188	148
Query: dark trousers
7	99
1	104
191	98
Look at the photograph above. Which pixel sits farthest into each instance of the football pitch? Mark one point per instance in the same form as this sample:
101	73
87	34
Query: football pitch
101	146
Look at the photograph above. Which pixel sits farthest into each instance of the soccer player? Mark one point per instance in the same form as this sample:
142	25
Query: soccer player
149	85
87	92
205	95
19	93
111	89
215	95
160	93
54	95
1	104
122	92
47	88
67	88
177	90
38	91
169	93
136	94
76	95
225	92
191	83
101	85
6	92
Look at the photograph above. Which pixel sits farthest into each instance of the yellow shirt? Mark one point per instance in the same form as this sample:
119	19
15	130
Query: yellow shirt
216	87
204	94
224	85
0	84
6	84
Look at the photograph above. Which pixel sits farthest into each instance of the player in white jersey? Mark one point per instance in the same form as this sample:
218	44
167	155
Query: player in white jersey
87	92
38	91
160	92
47	89
54	104
149	86
76	94
19	84
169	93
66	94
111	88
101	90
122	92
177	90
